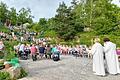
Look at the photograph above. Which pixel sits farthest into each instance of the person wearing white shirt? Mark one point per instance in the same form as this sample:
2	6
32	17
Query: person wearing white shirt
98	60
21	50
111	57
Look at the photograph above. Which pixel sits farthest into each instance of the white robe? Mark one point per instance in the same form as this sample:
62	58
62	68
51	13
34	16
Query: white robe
111	58
98	60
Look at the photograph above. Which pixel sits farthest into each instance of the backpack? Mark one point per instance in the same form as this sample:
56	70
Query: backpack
55	58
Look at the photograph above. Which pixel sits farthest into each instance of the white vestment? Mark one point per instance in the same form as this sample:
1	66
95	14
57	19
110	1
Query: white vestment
111	58
98	60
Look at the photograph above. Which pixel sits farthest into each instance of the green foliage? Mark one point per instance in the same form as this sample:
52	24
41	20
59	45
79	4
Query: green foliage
3	12
9	44
113	38
14	18
67	25
86	38
1	66
4	29
35	27
23	73
51	24
42	25
24	16
10	55
101	16
1	55
9	51
50	33
12	15
4	76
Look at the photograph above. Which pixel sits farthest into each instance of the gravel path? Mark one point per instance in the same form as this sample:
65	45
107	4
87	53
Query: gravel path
68	68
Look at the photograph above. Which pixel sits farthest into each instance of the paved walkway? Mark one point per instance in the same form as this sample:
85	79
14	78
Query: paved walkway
68	68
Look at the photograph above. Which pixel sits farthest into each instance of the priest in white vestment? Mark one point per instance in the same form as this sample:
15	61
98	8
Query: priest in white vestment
98	60
111	57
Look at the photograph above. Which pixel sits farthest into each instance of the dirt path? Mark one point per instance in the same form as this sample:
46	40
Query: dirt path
68	68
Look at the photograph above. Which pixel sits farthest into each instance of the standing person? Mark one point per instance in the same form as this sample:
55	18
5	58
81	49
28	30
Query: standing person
21	50
111	57
27	50
98	60
33	51
41	50
48	51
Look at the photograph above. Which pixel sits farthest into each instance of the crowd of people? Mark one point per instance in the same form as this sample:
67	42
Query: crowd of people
17	33
104	57
47	50
4	36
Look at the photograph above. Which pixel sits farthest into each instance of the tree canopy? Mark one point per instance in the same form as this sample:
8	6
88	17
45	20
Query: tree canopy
21	17
100	16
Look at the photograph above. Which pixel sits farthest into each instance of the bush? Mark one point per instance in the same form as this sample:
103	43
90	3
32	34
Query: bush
10	55
10	44
4	29
9	51
50	33
4	76
86	37
23	73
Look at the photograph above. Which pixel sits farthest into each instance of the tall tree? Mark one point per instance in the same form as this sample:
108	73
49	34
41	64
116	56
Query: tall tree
24	16
100	15
43	24
51	24
64	24
3	12
12	15
104	18
74	3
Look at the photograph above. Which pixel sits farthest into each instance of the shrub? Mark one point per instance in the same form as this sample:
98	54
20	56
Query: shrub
50	33
4	76
23	73
10	55
4	29
9	51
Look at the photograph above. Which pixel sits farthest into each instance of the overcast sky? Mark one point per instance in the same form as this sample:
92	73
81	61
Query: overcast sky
40	8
